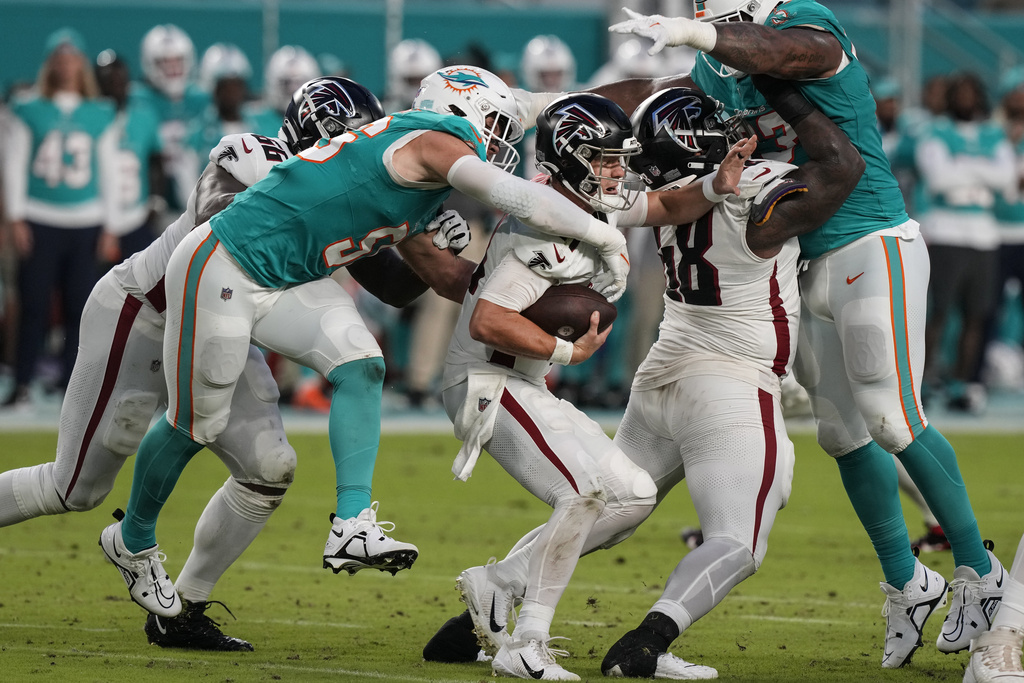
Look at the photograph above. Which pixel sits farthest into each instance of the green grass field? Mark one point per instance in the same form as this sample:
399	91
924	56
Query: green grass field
811	614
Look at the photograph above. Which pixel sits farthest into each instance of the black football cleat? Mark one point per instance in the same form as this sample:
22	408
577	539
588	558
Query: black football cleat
454	642
193	630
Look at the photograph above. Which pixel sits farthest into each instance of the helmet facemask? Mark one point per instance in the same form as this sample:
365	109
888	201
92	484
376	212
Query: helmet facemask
603	181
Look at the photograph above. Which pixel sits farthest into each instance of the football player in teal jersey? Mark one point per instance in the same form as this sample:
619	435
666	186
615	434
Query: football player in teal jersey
139	157
255	272
59	164
168	62
861	352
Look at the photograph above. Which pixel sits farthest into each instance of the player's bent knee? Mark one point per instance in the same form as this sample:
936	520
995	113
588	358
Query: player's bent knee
276	460
129	421
736	557
354	376
630	483
222	360
252	505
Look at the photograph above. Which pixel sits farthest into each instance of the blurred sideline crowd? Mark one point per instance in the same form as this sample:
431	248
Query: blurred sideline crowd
102	150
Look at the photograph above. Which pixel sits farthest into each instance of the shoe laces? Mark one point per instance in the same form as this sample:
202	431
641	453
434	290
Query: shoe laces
559	653
966	589
1000	649
371	518
144	560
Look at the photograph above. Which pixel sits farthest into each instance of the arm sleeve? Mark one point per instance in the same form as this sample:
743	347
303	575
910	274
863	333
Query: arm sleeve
107	162
539	206
16	169
636	215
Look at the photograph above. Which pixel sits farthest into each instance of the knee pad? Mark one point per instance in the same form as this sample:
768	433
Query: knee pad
248	504
628	483
275	460
36	493
222	360
129	421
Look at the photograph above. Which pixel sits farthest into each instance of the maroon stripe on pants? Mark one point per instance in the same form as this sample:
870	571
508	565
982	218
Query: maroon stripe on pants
518	413
781	322
771	454
124	327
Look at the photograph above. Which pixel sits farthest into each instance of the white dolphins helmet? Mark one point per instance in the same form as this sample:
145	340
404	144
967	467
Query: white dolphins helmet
168	57
222	60
410	62
476	95
632	61
287	69
547	65
718	11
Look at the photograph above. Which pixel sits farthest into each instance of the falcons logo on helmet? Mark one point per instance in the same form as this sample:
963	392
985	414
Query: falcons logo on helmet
678	115
330	98
576	124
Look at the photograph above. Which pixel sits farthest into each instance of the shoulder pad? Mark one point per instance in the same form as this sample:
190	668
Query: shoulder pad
248	157
772	194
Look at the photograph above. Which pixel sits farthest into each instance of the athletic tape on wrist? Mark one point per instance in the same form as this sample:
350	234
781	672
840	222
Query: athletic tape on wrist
709	191
562	355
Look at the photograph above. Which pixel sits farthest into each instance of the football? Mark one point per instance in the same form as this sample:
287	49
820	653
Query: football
564	311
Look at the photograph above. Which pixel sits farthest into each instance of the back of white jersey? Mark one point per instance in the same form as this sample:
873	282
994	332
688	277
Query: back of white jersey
554	261
248	158
722	301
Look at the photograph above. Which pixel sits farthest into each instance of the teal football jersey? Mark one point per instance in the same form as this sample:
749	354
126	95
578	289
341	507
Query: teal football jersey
189	107
981	142
876	202
140	139
63	165
333	204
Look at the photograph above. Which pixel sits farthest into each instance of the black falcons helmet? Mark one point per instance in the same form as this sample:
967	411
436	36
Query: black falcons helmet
577	130
683	134
327	107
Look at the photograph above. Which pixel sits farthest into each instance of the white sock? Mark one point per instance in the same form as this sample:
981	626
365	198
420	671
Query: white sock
1011	610
229	524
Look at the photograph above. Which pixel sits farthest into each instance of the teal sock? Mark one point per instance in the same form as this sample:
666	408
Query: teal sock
872	484
931	463
163	455
354	430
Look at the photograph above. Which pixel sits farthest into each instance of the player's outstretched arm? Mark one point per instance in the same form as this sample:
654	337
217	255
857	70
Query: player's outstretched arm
832	171
687	204
631	92
795	53
445	273
214	191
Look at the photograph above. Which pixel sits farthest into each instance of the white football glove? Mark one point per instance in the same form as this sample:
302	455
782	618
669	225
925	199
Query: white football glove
671	31
451	231
616	262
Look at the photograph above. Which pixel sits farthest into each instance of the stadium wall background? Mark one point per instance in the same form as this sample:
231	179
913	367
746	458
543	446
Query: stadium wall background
354	32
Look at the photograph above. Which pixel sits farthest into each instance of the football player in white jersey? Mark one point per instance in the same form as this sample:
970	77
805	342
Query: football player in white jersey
705	404
493	383
118	386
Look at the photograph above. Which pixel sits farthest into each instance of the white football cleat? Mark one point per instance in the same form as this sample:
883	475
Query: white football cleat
668	667
975	599
143	572
489	601
530	659
907	610
360	543
995	657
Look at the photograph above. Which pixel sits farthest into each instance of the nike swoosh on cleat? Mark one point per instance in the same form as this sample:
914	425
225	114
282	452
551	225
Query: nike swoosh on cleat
999	583
533	674
925	586
495	626
160	626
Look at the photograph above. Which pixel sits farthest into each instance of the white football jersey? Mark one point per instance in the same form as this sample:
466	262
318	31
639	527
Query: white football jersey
248	158
722	301
519	266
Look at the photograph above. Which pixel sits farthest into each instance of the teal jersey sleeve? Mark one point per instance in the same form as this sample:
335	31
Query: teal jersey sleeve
876	202
63	164
333	203
265	120
192	104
